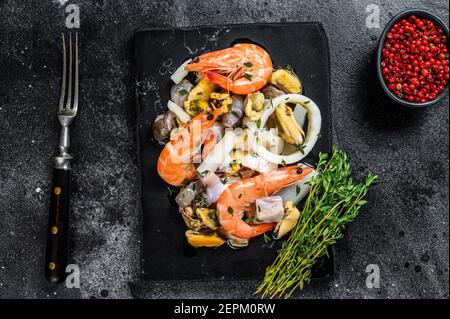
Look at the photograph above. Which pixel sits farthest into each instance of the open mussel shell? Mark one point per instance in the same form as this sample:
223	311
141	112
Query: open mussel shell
237	243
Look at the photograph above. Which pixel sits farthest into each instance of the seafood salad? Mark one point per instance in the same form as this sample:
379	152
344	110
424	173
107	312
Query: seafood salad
234	134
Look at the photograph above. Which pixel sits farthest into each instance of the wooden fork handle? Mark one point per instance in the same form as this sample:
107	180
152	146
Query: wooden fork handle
56	256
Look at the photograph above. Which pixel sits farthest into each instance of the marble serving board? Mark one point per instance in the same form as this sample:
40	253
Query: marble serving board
158	52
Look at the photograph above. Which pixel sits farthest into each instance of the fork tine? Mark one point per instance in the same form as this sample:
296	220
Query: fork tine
69	89
75	94
63	85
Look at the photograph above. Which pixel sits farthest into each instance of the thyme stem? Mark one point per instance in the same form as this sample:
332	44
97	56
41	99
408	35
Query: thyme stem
333	201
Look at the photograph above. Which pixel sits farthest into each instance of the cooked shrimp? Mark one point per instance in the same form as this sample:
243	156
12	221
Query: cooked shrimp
240	195
242	69
175	161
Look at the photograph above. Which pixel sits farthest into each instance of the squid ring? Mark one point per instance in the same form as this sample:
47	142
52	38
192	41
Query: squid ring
312	134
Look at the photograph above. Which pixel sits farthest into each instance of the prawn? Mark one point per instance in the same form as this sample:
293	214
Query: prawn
175	161
234	200
242	69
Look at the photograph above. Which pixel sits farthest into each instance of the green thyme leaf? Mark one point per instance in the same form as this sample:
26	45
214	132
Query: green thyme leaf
200	201
301	148
334	200
204	173
235	114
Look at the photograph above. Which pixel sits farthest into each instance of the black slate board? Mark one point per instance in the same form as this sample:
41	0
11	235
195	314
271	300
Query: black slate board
158	52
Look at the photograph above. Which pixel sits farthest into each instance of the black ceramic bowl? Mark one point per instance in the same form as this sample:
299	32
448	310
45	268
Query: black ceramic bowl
404	14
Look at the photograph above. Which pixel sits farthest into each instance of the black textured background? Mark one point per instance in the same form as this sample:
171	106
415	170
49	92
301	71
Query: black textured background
404	229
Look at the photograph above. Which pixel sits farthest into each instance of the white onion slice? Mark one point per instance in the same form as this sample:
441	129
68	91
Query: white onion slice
178	111
296	192
180	73
249	124
270	140
300	115
289	149
314	125
219	154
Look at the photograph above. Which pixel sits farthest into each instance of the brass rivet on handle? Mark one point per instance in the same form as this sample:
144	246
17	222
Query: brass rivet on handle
51	266
57	190
54	230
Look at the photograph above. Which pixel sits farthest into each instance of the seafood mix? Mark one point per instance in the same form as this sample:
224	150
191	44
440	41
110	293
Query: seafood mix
234	133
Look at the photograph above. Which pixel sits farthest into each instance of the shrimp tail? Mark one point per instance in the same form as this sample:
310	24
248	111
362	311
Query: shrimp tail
262	228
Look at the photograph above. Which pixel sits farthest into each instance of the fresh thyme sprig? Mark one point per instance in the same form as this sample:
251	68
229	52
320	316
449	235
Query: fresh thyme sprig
333	201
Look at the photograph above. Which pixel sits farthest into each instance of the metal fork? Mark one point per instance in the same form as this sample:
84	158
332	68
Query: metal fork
56	257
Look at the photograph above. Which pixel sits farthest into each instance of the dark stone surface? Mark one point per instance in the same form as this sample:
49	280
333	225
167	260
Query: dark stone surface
163	229
404	229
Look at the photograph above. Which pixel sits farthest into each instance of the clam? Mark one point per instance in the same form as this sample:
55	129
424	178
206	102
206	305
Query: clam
162	126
